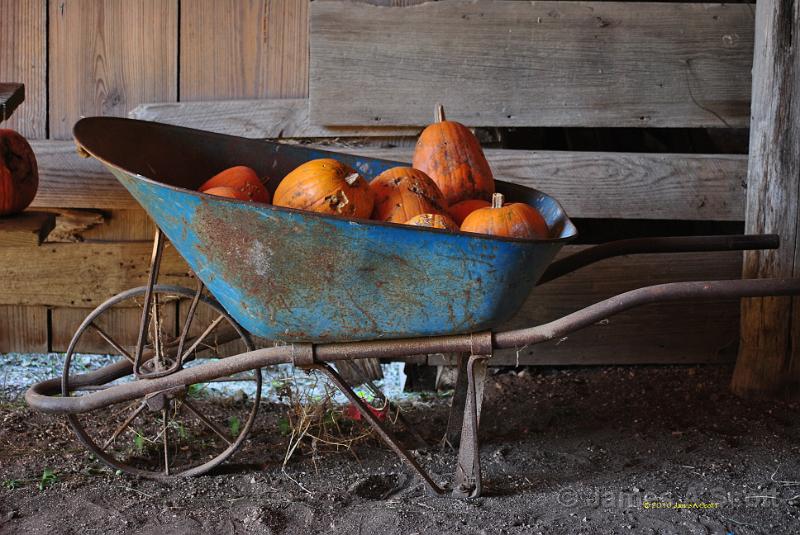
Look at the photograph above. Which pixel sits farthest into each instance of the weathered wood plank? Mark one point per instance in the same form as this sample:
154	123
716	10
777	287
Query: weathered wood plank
499	63
121	323
23	329
621	185
11	96
769	358
243	49
108	56
23	59
67	180
28	228
80	274
588	184
265	118
668	333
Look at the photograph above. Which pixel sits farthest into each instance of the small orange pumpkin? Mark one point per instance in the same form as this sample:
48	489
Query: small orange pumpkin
461	210
433	221
227	191
240	178
452	156
326	186
403	192
513	220
19	174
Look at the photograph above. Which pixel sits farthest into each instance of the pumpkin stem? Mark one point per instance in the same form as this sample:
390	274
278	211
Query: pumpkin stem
439	113
351	179
497	200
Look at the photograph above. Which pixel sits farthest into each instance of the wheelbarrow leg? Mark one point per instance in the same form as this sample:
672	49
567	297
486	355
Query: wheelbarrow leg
458	404
376	424
467	480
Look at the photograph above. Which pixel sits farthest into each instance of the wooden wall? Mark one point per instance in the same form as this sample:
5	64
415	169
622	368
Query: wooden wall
599	64
105	57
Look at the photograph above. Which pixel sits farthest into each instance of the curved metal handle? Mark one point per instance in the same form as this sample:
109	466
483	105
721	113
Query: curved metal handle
672	244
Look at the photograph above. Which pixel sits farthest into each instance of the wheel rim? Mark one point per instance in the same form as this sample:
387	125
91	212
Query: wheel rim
178	433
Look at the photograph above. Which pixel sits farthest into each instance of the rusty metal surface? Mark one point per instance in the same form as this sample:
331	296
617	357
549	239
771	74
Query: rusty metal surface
467	478
39	396
296	276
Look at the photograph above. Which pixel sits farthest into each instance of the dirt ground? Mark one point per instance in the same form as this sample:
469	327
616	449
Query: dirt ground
600	450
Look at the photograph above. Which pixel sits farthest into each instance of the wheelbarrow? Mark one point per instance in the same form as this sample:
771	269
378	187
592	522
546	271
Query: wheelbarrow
322	289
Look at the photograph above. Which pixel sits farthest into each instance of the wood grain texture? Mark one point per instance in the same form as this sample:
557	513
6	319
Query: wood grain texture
265	118
107	56
27	228
23	329
80	274
121	323
243	49
23	59
66	180
620	185
11	96
588	184
769	358
499	63
667	333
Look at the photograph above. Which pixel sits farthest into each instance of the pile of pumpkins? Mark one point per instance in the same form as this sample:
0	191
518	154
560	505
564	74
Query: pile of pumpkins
450	187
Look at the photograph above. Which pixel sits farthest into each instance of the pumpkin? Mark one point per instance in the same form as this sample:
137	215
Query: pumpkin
461	210
513	220
326	186
403	192
433	221
240	178
19	174
227	191
452	156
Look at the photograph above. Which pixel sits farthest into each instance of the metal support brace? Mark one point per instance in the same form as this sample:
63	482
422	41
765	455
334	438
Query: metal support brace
467	480
457	405
377	425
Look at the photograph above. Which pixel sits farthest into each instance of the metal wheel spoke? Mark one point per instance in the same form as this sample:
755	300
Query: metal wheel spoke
165	440
202	337
203	418
124	425
110	341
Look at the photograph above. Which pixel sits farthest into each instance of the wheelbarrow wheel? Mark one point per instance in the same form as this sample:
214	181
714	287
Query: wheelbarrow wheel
181	432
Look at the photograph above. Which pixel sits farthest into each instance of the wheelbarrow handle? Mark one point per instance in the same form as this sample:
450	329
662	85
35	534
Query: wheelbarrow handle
40	396
672	244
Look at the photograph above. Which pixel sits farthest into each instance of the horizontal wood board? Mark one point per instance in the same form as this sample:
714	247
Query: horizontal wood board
588	184
501	63
266	118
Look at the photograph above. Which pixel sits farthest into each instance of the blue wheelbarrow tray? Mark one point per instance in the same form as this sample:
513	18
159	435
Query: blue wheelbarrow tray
297	276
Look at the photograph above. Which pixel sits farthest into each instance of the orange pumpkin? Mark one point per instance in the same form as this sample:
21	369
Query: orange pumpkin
452	156
19	174
227	191
326	186
403	192
461	210
240	178
433	221
513	220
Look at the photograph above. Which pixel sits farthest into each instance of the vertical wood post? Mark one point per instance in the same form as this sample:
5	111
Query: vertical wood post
769	351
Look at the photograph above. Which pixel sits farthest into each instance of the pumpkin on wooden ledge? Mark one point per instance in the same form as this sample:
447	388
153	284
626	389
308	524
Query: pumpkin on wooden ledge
19	174
512	220
326	186
451	155
402	193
